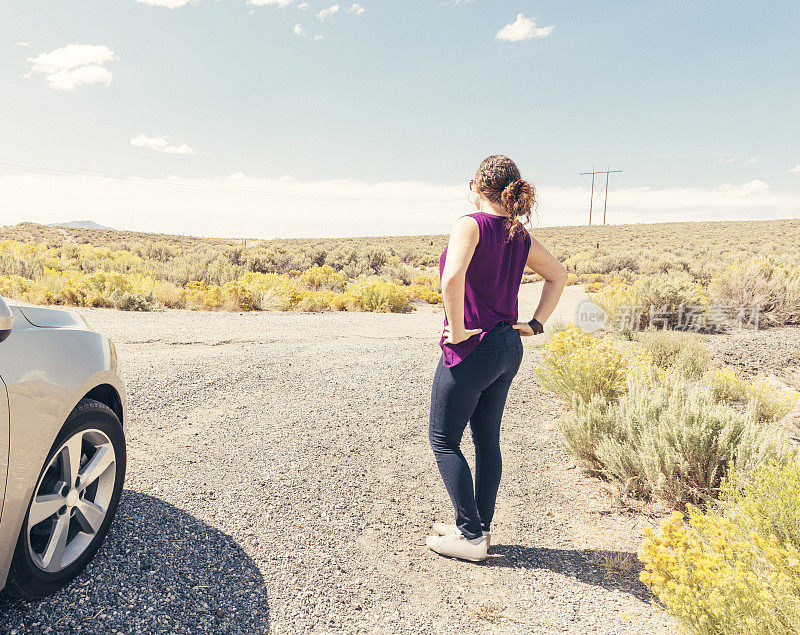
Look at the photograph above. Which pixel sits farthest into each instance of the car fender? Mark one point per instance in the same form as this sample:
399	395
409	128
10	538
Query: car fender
47	371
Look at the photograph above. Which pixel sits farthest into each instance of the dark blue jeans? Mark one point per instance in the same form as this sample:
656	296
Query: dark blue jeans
473	391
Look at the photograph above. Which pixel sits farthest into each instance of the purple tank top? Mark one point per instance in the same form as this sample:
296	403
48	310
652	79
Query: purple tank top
491	285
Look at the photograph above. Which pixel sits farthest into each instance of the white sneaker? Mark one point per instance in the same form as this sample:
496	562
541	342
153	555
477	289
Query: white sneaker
457	547
443	529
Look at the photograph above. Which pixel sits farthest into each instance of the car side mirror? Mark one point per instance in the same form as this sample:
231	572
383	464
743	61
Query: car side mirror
6	320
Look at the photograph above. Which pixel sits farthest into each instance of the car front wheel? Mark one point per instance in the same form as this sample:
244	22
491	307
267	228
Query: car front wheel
73	503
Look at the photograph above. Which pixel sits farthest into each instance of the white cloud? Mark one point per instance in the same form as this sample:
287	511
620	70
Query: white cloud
266	3
795	169
300	30
266	208
23	44
72	78
727	160
160	144
327	13
73	65
356	9
752	160
168	4
71	56
302	6
523	29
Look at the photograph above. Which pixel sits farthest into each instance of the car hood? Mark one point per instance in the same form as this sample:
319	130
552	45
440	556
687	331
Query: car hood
51	318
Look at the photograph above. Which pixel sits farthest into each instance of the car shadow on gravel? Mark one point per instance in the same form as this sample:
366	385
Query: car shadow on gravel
617	570
160	569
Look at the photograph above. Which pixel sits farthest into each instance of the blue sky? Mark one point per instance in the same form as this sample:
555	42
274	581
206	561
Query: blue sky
227	118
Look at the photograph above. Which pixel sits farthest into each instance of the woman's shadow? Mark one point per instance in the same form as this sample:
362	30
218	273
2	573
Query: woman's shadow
160	569
608	569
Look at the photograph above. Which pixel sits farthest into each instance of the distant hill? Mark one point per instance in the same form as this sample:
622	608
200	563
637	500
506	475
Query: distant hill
81	224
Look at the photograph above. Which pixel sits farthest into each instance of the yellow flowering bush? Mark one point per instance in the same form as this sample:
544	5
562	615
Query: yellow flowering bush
377	295
714	577
613	295
324	277
161	274
425	293
578	363
766	502
323	301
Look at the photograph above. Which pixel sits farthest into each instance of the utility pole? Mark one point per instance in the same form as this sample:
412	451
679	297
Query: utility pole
605	201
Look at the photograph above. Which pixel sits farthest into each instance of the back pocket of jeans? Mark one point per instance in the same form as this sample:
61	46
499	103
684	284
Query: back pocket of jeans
477	367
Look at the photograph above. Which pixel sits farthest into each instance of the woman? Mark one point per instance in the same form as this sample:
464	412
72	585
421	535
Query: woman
481	270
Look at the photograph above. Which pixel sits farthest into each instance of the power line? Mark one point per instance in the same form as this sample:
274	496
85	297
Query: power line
605	198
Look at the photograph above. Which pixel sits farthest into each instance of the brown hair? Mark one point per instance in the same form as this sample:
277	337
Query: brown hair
499	180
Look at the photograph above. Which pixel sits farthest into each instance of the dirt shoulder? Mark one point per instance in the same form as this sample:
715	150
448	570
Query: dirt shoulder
280	477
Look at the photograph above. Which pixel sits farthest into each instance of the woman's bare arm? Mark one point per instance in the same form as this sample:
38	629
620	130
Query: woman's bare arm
555	278
460	249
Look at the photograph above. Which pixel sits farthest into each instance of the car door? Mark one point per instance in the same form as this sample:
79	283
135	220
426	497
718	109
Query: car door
4	432
6	322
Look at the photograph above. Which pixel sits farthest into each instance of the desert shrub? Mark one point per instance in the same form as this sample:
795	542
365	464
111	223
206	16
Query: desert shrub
743	283
673	443
662	293
785	295
772	285
220	271
324	277
322	301
340	257
283	296
396	269
159	250
767	501
126	301
425	293
713	576
12	264
674	349
374	257
578	363
614	295
594	256
237	297
376	295
168	294
667	291
584	427
617	262
358	269
771	402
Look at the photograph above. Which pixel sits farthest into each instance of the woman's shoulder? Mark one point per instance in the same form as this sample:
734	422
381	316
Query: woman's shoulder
466	223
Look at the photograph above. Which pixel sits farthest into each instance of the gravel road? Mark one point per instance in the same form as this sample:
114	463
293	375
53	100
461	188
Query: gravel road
280	479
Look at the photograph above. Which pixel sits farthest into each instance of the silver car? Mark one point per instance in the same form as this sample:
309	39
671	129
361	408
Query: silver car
62	446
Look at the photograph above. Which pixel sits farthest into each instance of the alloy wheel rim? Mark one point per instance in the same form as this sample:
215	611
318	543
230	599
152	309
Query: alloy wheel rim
71	500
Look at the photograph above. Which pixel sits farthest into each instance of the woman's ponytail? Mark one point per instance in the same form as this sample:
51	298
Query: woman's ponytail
499	180
517	198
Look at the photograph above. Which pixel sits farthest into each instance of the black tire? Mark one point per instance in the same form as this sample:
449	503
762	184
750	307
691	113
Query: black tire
25	579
